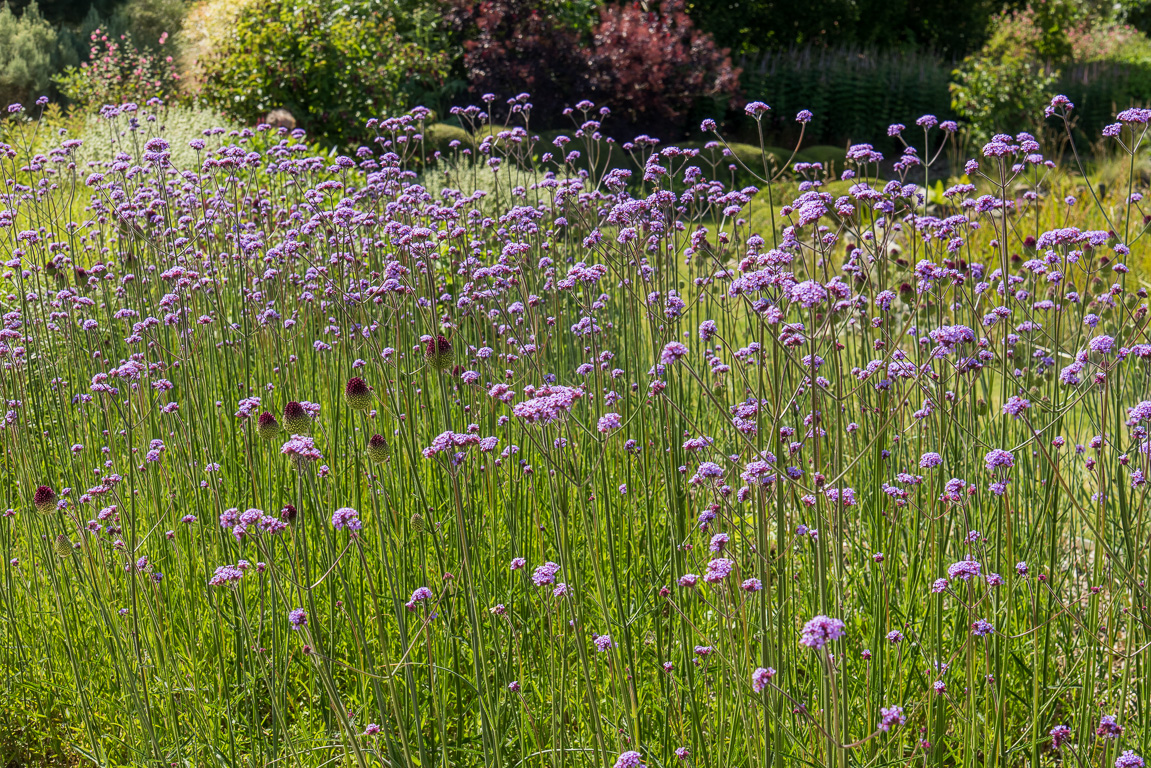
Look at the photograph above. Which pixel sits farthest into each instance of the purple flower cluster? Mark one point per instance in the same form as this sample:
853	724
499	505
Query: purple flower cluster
821	630
548	404
346	518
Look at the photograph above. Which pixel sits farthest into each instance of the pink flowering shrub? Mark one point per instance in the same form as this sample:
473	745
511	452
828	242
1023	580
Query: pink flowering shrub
117	71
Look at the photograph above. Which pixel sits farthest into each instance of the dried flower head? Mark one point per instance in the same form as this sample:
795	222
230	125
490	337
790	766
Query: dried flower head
438	353
358	394
378	449
45	500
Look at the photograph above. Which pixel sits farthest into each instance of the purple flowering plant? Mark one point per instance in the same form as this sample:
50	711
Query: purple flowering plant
803	471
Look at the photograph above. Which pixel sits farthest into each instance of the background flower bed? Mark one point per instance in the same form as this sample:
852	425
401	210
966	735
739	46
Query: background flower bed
528	456
858	65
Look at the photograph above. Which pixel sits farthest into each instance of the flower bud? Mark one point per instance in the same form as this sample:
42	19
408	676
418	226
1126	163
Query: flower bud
378	449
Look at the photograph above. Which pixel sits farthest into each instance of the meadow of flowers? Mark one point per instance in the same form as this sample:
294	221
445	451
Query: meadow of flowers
305	465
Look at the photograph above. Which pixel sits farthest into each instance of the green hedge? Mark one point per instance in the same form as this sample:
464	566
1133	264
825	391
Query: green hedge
1100	89
853	93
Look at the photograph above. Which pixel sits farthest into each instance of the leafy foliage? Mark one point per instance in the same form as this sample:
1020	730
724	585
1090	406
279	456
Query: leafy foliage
522	45
653	65
657	66
150	20
333	66
1000	93
1008	82
28	52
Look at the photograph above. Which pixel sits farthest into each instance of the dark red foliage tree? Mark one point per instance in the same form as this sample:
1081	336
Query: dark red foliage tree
656	70
513	46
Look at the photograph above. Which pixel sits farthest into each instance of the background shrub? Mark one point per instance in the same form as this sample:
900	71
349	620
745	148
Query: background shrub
332	65
28	54
149	21
856	64
118	71
512	46
1003	87
205	30
653	67
656	69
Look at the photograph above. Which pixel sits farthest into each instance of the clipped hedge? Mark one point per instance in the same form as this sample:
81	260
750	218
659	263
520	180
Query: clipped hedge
853	93
1100	89
438	137
832	158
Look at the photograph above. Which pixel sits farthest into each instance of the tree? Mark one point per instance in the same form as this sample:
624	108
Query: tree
28	54
513	46
656	69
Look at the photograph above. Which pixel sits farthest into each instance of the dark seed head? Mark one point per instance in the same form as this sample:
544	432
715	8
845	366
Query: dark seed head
288	513
296	418
378	449
358	394
267	426
45	499
438	353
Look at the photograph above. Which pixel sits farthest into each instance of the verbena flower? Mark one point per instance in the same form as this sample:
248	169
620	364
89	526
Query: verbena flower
821	630
629	759
998	458
545	574
891	717
718	570
673	351
302	450
761	677
421	594
346	518
981	628
1108	728
964	570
